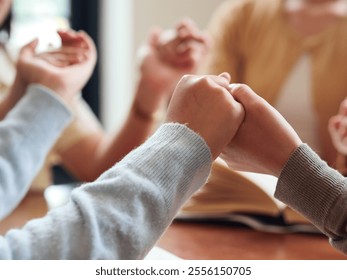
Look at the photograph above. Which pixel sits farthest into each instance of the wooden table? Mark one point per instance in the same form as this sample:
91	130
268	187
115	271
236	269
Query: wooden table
221	242
210	241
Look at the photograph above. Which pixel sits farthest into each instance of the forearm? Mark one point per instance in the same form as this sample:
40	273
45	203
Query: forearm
150	96
124	212
26	135
310	186
133	133
91	156
97	152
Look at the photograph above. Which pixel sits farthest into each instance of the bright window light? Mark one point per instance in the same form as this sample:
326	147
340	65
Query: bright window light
39	18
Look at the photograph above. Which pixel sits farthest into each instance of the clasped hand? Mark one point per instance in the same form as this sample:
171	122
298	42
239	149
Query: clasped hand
65	70
236	123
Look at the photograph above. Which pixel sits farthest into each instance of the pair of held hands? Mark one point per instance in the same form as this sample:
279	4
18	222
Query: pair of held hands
65	70
240	126
236	123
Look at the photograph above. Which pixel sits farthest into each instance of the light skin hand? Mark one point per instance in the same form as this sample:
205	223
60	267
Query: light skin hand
338	129
65	71
264	141
167	56
183	47
64	56
206	106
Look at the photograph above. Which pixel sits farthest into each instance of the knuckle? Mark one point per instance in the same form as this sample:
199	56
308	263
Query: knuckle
187	78
240	89
205	81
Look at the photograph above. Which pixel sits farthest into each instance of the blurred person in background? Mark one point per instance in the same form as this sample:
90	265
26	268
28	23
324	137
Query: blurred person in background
51	81
291	52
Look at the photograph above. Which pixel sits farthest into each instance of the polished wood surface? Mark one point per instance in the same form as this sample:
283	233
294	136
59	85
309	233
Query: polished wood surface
210	241
213	241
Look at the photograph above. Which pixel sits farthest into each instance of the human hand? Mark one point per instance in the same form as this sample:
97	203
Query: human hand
205	105
264	141
72	49
170	54
338	129
65	70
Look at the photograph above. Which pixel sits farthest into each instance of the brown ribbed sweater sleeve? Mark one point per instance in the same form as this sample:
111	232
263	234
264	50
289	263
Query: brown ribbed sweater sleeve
308	185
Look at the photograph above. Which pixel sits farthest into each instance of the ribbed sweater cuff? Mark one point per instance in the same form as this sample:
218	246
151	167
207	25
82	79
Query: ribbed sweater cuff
309	186
52	114
175	155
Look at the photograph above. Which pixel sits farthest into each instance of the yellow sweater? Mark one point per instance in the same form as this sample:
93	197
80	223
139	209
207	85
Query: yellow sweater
253	42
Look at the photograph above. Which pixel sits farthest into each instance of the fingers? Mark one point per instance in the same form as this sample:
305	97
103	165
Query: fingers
226	76
153	37
206	106
343	107
63	58
189	35
180	53
338	126
56	61
334	123
242	93
92	52
338	132
76	44
87	39
72	38
187	29
183	46
29	49
222	80
338	129
67	50
80	39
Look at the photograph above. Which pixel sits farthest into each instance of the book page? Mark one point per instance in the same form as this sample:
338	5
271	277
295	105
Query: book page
266	182
228	191
243	197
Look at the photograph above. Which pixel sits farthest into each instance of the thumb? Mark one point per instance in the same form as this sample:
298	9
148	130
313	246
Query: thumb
153	37
243	93
226	76
29	49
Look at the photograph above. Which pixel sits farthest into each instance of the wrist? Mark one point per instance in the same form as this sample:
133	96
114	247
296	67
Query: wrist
147	102
18	87
144	115
152	84
57	86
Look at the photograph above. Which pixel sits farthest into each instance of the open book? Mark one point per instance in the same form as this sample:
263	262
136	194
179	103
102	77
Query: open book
244	198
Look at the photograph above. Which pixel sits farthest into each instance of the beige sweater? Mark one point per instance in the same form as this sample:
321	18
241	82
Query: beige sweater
253	42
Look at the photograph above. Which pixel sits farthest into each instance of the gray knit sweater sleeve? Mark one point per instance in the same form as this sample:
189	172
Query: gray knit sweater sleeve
123	213
307	184
26	135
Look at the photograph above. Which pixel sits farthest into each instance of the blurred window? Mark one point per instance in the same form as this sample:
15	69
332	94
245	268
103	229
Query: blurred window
39	18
